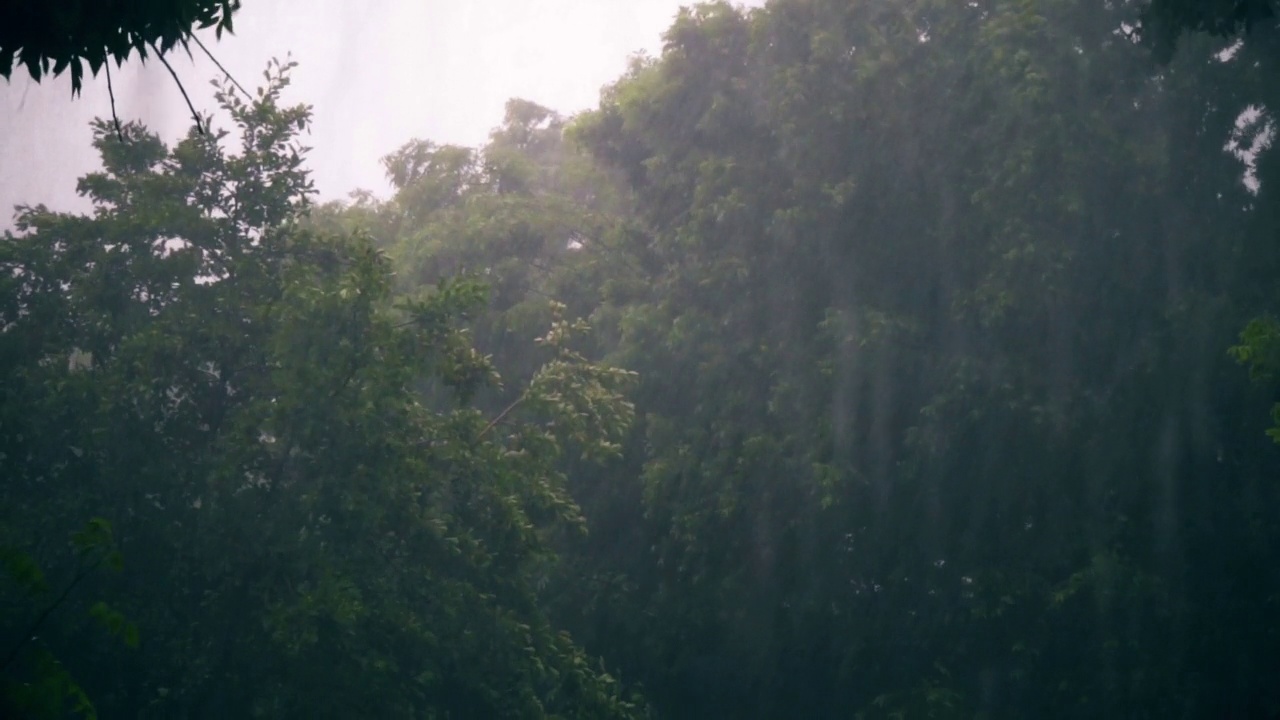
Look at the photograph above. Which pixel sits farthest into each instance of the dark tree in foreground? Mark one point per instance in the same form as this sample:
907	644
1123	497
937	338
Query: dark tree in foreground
49	38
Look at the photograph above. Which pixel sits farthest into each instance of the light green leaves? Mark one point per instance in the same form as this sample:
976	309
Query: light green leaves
1259	350
586	401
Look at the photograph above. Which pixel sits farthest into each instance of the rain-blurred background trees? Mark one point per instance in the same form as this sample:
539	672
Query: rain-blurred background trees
850	359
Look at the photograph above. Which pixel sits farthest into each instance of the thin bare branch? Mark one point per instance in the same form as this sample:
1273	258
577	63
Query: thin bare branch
494	422
224	70
111	92
194	115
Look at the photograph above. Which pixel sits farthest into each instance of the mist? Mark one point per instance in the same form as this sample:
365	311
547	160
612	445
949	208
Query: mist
611	360
378	75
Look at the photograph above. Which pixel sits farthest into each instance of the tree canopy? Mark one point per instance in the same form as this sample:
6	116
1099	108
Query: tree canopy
1164	21
232	395
847	359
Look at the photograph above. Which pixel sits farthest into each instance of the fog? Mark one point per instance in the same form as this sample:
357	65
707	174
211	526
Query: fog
378	74
814	359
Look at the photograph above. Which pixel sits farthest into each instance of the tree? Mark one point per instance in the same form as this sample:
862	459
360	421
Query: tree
33	681
317	519
54	37
927	301
1163	22
931	366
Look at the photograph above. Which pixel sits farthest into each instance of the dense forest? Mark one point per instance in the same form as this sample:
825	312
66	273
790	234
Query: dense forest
851	359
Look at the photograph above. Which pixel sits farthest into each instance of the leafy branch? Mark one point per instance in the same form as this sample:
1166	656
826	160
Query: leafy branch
94	546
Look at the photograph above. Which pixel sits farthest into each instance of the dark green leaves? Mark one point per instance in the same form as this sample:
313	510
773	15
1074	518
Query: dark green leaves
293	460
23	570
58	34
1164	22
115	623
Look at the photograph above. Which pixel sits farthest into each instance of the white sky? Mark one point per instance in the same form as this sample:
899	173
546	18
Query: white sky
378	74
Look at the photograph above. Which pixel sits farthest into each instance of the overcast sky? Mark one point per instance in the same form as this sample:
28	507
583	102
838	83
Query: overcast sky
378	74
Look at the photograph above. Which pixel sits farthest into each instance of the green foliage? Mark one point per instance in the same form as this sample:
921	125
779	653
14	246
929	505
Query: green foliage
925	410
1164	22
584	400
50	693
317	523
1259	349
912	360
34	683
23	571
